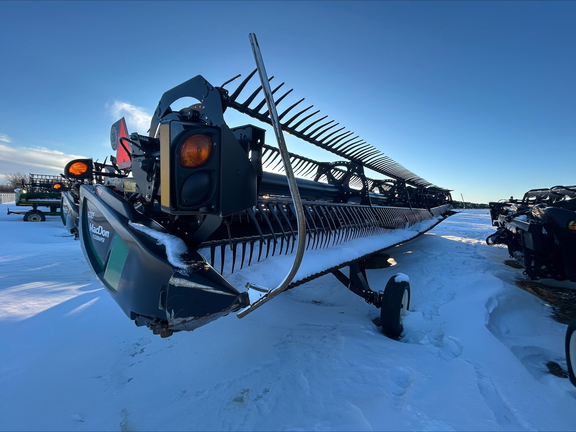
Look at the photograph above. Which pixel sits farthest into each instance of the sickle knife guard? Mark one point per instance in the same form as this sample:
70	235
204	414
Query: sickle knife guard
177	213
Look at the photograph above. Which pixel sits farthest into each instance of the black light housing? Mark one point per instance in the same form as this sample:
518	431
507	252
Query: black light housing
204	169
79	169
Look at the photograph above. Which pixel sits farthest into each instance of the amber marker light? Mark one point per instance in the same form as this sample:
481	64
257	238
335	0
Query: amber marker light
195	151
57	186
78	168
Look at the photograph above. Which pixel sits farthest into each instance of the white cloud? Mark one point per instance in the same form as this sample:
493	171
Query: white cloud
4	138
137	119
36	160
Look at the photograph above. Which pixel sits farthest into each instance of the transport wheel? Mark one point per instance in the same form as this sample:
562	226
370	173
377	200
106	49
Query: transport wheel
571	350
395	303
34	216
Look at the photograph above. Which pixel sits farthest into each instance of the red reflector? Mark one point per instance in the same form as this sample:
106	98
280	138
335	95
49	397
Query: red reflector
123	147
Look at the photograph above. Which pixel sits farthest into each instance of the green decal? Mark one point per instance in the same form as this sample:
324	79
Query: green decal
115	265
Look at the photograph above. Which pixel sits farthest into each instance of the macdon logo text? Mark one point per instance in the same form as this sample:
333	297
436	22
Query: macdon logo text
100	233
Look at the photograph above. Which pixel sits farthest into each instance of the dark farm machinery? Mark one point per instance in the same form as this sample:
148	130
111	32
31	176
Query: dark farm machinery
39	190
540	233
173	213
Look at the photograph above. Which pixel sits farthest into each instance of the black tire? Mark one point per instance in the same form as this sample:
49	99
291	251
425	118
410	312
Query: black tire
571	350
34	216
395	302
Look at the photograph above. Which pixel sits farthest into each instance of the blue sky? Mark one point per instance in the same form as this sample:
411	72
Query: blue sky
477	97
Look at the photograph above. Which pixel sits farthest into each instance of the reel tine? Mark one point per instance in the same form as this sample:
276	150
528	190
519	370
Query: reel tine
358	221
313	224
242	85
304	119
279	163
222	257
330	222
308	166
369	221
368	154
287	110
243	255
339	231
228	231
263	102
234	247
260	247
274	211
268	241
260	233
347	139
361	147
248	101
272	159
281	98
297	115
309	231
256	223
343	147
321	231
351	222
298	164
381	220
283	213
381	226
333	229
324	223
265	217
332	133
376	228
312	124
311	134
337	221
332	143
323	131
277	102
212	255
251	253
293	211
344	224
366	221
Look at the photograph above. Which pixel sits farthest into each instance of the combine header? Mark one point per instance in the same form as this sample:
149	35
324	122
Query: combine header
39	190
179	213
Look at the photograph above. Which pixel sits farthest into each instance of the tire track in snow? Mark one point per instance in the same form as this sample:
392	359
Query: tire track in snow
502	413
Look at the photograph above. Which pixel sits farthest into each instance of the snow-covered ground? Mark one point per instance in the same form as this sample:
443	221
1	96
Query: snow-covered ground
473	355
